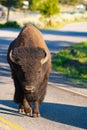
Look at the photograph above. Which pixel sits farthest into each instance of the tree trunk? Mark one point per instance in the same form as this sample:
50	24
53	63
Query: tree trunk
8	12
50	21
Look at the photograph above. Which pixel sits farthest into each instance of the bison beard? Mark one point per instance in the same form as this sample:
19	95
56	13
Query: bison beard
30	65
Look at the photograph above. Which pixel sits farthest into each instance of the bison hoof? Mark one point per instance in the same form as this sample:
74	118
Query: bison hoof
28	112
36	115
21	111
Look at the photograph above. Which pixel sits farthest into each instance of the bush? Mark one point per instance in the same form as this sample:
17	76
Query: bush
10	24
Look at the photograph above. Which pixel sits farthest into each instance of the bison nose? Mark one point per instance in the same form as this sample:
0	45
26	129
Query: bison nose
30	89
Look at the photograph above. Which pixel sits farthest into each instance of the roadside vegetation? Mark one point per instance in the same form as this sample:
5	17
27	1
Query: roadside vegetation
53	13
72	61
63	19
10	24
43	23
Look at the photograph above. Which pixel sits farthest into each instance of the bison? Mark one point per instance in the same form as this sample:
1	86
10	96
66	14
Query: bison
30	62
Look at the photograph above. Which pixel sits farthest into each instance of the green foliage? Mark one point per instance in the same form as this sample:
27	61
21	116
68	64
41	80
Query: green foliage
10	3
10	24
81	49
33	4
78	58
49	7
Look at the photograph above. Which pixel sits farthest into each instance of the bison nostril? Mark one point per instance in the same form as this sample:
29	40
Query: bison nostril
30	89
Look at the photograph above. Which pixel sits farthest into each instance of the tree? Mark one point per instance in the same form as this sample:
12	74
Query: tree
11	3
33	4
48	8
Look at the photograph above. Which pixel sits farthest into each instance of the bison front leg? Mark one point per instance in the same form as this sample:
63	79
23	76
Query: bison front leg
27	108
36	112
21	109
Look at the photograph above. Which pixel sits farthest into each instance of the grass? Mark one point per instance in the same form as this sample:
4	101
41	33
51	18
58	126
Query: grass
72	61
78	82
58	25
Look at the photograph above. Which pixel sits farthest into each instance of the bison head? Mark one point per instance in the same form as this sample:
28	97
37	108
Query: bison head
29	66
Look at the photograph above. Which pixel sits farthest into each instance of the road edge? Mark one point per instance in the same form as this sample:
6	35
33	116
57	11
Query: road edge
67	89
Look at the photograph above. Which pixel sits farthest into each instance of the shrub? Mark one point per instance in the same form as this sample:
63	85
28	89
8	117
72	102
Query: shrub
10	24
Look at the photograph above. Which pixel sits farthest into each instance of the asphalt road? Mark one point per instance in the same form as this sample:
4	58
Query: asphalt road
68	35
61	110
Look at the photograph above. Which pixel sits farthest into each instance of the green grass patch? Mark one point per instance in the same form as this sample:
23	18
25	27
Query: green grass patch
78	82
72	61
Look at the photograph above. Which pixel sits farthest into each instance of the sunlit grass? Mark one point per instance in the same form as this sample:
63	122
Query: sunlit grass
77	56
59	25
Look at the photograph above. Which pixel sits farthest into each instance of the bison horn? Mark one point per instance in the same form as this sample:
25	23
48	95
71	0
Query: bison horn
11	58
44	59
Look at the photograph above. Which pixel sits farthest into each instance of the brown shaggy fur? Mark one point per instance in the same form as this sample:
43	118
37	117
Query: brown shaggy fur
27	50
